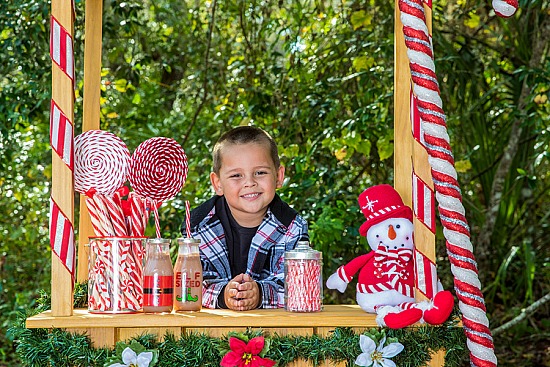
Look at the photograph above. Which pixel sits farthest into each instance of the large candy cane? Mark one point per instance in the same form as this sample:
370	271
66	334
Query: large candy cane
451	210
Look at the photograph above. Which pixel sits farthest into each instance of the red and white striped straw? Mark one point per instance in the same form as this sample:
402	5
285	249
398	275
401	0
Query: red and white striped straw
154	208
187	219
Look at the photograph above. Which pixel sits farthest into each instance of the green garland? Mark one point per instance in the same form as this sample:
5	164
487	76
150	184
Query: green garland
57	347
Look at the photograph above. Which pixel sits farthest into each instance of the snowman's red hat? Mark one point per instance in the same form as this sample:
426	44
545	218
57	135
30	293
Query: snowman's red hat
379	203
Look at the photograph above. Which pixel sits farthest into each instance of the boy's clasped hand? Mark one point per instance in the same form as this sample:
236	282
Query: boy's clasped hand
242	293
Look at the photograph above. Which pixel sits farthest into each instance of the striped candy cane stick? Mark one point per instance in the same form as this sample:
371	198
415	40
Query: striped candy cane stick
138	221
119	250
444	175
99	298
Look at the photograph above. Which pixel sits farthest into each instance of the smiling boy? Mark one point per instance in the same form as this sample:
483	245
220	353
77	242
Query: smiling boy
246	228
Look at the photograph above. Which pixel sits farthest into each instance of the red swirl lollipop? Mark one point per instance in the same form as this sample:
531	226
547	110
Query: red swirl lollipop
158	169
101	162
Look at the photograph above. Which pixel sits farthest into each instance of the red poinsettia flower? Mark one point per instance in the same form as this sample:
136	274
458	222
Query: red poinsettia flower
246	354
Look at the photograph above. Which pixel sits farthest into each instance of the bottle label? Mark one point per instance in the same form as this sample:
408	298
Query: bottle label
158	290
188	286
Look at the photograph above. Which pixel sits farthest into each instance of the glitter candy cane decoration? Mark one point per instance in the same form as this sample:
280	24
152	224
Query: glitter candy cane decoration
451	210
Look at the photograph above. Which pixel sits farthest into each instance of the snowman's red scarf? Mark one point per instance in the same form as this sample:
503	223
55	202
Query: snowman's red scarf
391	264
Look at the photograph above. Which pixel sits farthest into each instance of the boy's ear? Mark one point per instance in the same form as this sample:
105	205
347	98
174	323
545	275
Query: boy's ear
216	184
280	176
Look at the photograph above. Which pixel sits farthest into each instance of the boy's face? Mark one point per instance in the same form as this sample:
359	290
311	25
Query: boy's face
248	179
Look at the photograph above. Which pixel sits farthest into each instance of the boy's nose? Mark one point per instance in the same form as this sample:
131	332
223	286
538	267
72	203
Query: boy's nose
250	182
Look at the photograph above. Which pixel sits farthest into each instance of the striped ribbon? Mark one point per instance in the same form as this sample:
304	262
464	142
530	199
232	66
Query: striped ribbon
61	135
440	158
61	48
423	202
62	237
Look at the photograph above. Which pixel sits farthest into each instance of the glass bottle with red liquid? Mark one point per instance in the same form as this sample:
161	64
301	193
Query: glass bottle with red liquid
158	277
188	276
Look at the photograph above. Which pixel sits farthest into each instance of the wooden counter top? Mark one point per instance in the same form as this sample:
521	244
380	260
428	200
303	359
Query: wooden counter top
330	316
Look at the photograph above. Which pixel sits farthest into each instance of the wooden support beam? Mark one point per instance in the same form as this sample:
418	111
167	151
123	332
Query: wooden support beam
62	176
91	111
409	154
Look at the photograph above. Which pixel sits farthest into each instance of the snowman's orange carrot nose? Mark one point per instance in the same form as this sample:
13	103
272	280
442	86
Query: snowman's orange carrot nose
391	233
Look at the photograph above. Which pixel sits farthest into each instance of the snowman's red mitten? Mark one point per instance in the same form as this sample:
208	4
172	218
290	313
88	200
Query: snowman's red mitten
442	306
396	318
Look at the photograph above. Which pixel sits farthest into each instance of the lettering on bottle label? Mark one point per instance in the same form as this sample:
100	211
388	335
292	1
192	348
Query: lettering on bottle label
187	288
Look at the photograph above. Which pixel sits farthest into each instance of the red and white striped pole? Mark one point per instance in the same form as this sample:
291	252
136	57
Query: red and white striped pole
61	140
447	191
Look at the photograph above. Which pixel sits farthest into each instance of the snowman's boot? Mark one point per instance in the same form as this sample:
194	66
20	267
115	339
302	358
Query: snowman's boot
397	317
440	308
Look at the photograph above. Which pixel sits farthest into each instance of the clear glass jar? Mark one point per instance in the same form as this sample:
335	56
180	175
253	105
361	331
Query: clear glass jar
115	270
158	277
188	276
303	279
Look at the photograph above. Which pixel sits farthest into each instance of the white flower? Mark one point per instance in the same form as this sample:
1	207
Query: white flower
131	359
377	357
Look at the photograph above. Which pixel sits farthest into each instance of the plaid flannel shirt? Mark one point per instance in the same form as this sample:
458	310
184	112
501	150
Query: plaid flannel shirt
265	262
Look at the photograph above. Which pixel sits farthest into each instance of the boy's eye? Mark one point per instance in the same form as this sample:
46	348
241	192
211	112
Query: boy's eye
236	175
259	173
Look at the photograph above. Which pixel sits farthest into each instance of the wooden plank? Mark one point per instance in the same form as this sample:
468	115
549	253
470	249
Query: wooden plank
424	238
215	331
297	331
341	315
124	334
403	140
92	65
438	359
102	337
62	177
409	154
90	113
85	230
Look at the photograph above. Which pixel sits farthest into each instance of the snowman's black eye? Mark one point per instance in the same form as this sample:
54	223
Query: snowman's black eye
377	235
398	226
407	238
402	245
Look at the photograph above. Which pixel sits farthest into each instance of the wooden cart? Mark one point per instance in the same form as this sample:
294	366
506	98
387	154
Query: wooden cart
107	329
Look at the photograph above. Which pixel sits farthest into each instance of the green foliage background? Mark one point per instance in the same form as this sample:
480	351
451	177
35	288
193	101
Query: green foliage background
318	75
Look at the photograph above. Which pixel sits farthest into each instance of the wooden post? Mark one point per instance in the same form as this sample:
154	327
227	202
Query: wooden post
62	176
91	109
409	154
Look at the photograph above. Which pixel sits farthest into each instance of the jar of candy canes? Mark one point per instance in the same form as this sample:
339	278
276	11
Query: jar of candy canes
303	279
115	269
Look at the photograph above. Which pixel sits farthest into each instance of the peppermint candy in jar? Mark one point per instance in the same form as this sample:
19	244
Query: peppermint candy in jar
303	279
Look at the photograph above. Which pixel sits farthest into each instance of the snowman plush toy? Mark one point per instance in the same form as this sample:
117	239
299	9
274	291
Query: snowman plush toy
385	284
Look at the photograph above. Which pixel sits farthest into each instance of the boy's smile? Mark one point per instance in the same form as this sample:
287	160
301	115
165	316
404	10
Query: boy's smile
248	179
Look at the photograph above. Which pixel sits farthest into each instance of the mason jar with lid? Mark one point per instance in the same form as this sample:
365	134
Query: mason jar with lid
303	279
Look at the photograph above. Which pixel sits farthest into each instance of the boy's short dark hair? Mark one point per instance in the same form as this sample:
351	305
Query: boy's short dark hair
244	135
